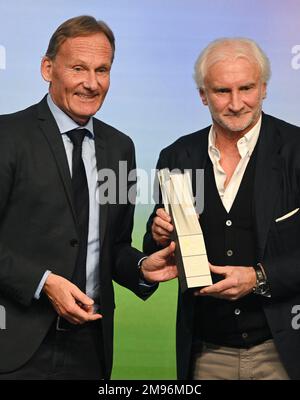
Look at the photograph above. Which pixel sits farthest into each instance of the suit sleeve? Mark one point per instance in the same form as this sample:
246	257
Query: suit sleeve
283	276
282	257
18	277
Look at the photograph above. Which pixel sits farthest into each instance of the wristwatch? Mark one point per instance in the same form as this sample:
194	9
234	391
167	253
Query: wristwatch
262	288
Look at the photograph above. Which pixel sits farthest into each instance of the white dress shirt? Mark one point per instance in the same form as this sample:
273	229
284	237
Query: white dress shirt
245	146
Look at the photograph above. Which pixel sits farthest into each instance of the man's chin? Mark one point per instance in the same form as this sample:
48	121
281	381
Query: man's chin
85	113
81	118
236	127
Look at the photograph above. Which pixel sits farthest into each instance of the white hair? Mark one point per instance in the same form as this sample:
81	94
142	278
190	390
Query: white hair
231	48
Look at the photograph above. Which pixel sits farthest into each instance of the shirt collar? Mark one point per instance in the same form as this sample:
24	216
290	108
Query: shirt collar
245	144
64	122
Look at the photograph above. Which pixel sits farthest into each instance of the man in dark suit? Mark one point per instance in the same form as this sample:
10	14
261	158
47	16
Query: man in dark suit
61	242
241	326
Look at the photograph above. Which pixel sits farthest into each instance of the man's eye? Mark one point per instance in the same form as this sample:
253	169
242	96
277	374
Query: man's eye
102	69
247	88
222	90
77	68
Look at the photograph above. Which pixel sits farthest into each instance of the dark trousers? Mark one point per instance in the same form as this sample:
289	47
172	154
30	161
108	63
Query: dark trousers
67	352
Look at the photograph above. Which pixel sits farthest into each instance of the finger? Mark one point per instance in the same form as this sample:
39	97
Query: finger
161	212
169	274
163	275
70	313
156	230
218	295
79	315
230	294
76	313
79	318
159	223
91	310
167	251
88	308
72	320
80	297
161	238
218	270
218	287
95	317
85	316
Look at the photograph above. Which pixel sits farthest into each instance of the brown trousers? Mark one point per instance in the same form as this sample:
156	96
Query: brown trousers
258	362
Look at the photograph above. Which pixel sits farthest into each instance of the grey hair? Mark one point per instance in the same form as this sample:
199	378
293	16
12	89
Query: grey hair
231	48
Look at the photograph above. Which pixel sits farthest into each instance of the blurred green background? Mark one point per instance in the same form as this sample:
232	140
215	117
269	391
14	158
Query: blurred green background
144	340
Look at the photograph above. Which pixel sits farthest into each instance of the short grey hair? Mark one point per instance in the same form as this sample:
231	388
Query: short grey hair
231	48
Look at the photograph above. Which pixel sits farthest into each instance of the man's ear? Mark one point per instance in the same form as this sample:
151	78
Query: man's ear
203	96
264	90
46	68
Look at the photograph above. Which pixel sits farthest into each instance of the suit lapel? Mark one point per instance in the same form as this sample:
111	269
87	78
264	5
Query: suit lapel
198	152
267	181
196	159
101	158
50	130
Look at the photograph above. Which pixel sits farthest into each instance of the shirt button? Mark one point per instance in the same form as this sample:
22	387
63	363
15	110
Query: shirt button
228	222
244	335
237	311
229	253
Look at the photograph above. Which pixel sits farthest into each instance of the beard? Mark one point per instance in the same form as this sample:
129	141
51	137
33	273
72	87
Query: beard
242	122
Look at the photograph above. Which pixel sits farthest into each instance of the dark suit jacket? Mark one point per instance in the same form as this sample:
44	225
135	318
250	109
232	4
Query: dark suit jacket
38	228
276	192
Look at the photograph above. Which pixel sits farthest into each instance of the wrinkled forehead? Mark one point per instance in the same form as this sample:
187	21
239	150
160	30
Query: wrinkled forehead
95	41
93	45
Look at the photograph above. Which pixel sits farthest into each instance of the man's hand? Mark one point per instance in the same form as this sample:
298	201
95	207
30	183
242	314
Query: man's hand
238	282
160	266
162	227
68	301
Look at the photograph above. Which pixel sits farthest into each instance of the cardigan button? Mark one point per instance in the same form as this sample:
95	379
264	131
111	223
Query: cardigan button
229	253
74	242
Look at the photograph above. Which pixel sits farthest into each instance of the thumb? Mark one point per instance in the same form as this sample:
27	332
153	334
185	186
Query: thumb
167	251
217	270
82	297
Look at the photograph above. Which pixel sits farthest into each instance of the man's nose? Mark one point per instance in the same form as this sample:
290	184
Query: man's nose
91	81
236	103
